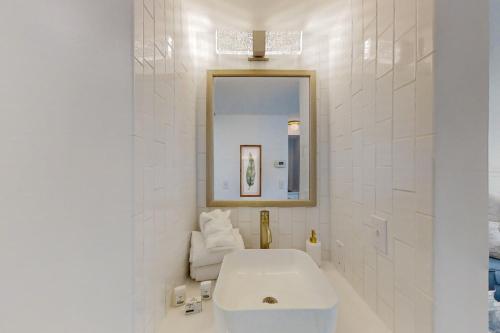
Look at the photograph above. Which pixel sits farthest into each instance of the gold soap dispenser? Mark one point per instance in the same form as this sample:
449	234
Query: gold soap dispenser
266	237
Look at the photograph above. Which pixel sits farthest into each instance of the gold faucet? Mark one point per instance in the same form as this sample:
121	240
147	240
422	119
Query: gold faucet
266	237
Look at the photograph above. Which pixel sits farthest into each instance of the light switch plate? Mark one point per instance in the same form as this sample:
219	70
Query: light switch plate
380	237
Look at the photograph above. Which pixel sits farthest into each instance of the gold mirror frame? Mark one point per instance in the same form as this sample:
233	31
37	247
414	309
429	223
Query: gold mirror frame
210	201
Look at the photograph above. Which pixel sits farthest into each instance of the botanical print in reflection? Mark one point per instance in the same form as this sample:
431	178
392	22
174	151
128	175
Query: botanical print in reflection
250	174
250	170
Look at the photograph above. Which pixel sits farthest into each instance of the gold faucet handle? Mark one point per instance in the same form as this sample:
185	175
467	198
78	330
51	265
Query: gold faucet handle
269	235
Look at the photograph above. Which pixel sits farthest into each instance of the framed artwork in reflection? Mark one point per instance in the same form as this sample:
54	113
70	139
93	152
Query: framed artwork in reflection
250	170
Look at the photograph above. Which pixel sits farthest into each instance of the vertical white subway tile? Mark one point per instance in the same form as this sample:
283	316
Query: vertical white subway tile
425	96
425	27
148	192
404	314
357	148
357	192
385	14
370	42
201	197
423	313
384	189
285	241
385	281
425	174
404	59
385	51
404	268
312	218
285	220
404	164
384	143
369	80
368	203
298	214
246	232
324	236
369	11
149	39
299	235
404	216
383	103
405	16
138	175
139	30
160	25
404	112
424	253
369	165
244	214
386	313
369	124
370	253
149	4
201	166
201	139
357	111
357	47
370	288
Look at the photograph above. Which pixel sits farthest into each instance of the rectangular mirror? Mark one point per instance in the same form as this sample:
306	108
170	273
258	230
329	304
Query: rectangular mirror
261	138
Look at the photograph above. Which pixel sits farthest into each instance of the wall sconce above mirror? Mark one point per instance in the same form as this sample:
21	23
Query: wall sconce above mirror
261	138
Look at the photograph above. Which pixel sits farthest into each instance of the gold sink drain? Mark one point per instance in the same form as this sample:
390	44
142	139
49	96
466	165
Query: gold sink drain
270	300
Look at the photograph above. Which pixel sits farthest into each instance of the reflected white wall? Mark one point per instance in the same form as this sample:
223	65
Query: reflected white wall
269	131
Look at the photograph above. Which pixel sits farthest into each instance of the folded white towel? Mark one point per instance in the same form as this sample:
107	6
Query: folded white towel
215	221
210	272
199	255
217	229
216	225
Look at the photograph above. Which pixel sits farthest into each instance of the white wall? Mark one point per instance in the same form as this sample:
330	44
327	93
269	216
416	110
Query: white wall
231	131
494	114
381	145
290	226
66	195
304	116
164	156
461	202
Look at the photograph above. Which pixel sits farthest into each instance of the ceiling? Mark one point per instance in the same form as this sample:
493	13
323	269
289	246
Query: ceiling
261	14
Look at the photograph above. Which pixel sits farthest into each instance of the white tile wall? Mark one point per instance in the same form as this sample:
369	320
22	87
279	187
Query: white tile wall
396	171
164	157
290	226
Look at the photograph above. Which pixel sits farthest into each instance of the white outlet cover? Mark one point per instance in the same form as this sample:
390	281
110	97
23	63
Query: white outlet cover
380	237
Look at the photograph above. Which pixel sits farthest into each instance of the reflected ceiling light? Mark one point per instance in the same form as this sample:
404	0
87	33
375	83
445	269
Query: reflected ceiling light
294	127
241	42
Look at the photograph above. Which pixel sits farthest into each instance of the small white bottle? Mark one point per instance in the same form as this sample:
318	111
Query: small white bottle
179	295
206	290
193	305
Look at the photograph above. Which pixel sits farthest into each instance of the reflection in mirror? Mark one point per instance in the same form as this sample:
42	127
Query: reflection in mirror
261	138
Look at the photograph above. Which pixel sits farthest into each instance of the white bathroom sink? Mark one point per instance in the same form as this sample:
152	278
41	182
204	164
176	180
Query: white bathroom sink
273	291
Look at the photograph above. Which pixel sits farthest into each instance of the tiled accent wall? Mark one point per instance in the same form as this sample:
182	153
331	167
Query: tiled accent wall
381	146
164	157
290	226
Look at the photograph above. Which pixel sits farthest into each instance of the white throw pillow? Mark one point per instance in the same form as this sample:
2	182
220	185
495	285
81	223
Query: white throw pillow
494	239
